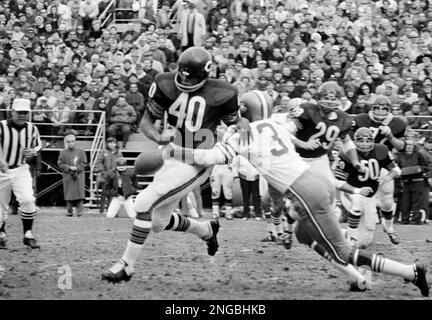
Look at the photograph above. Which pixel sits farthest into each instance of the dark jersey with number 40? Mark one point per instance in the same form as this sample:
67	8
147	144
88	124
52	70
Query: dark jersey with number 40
374	161
312	125
195	114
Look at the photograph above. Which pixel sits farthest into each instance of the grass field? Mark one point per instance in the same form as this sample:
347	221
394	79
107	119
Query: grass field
176	266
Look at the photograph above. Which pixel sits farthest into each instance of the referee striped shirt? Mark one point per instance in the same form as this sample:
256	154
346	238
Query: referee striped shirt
14	139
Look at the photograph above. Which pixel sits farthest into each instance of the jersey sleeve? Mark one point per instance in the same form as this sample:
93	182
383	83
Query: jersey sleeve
222	153
346	127
230	111
340	171
157	102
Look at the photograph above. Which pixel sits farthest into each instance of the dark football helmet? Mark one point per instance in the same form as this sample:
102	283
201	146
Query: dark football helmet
329	96
194	65
364	140
381	108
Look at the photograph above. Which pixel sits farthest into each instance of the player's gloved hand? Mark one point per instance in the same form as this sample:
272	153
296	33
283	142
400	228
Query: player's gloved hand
385	130
245	131
365	191
312	144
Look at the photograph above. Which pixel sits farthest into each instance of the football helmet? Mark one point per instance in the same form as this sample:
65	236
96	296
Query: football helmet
194	65
381	108
256	105
364	140
329	96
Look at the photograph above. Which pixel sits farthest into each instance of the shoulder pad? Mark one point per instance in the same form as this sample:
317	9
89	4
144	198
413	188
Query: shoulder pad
217	92
346	120
165	83
398	126
381	151
310	110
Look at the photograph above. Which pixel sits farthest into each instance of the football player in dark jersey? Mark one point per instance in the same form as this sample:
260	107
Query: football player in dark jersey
388	130
361	208
193	106
319	125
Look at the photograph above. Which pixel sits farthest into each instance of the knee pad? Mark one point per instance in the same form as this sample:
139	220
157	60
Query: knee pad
387	203
216	194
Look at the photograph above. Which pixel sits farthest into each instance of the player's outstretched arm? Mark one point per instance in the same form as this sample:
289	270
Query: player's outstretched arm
398	144
346	187
201	157
349	148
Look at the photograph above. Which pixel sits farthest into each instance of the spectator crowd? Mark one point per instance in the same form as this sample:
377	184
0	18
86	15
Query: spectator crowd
58	54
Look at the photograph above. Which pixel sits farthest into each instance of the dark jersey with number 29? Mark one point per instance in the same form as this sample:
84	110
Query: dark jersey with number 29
374	161
311	125
195	114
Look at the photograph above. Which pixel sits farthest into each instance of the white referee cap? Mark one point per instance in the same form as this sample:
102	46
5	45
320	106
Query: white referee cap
21	105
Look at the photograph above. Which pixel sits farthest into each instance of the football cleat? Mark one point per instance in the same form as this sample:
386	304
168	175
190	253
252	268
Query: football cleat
120	272
286	240
31	242
212	244
229	216
393	237
420	280
269	238
3	243
358	286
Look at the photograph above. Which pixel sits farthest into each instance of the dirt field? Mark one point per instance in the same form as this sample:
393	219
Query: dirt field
176	265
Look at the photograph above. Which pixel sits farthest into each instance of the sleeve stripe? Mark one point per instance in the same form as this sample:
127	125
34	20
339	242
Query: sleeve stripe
155	109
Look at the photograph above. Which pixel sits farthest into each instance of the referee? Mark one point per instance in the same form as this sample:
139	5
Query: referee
19	141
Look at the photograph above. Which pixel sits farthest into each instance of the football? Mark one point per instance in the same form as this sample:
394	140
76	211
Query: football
148	162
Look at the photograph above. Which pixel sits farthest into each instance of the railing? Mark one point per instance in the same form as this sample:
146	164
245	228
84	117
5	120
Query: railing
97	139
98	145
108	15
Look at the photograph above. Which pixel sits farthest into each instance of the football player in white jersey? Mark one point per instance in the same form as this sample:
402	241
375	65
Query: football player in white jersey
273	154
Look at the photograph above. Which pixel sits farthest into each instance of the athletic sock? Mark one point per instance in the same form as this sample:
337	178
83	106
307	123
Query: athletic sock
215	207
353	222
140	231
183	224
380	264
276	221
349	270
228	205
387	220
27	220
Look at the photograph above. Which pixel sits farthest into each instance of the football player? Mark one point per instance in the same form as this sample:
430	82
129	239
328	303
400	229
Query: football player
362	209
311	193
222	177
194	105
319	125
388	130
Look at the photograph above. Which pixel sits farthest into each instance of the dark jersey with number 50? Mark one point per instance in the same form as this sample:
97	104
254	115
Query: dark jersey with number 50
311	125
195	114
374	161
